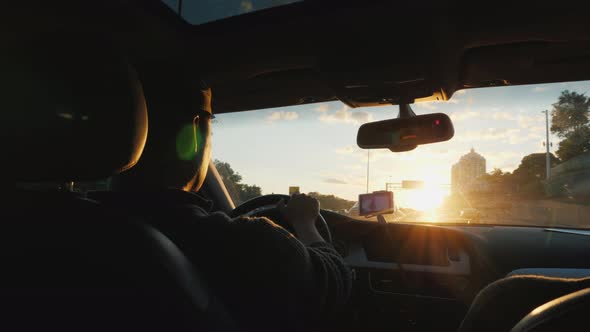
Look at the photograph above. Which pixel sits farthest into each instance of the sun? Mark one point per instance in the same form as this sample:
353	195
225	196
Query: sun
428	198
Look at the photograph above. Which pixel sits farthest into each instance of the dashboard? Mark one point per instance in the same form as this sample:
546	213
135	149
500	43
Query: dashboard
425	276
426	261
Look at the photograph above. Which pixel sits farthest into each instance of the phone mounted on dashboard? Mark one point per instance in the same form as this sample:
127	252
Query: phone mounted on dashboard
376	203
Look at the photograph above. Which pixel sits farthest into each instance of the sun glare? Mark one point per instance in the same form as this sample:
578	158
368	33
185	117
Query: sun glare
426	199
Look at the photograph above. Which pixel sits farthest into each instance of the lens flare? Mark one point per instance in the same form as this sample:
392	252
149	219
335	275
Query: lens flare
186	143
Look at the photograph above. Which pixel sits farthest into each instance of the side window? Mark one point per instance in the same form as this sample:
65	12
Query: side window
239	191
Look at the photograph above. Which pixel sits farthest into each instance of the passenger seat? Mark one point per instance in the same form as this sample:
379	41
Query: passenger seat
503	303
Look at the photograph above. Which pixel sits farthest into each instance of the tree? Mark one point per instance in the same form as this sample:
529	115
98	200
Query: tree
575	144
497	176
226	172
531	173
239	192
570	122
498	180
570	113
496	172
248	191
532	168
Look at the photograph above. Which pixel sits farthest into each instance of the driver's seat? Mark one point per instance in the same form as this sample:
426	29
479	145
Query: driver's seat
70	265
73	109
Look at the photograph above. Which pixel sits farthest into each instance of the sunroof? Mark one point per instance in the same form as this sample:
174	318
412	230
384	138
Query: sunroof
203	11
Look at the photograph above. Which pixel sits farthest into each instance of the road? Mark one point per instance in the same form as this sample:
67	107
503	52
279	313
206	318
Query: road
534	213
543	213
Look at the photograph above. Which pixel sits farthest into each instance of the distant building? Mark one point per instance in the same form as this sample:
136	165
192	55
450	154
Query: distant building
465	172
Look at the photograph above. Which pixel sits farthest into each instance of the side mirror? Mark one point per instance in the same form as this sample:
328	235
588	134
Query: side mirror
405	134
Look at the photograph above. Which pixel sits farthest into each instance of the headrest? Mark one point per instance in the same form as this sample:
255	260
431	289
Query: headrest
72	108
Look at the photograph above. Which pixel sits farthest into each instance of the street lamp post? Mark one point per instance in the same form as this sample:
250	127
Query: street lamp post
547	159
368	163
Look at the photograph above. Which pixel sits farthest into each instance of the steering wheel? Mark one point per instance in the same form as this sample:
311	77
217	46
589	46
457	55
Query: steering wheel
265	206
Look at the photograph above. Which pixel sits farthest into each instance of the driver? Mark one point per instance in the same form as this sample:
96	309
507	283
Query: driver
266	277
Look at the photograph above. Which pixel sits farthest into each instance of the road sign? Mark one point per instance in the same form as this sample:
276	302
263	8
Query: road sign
293	190
409	184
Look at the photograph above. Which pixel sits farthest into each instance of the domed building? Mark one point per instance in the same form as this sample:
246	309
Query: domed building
466	170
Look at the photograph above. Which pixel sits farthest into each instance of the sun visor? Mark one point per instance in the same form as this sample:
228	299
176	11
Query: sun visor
72	109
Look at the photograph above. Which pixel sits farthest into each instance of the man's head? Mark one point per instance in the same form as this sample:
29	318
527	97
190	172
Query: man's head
178	148
198	152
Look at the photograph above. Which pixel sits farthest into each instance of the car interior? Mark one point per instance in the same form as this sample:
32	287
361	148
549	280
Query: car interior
83	86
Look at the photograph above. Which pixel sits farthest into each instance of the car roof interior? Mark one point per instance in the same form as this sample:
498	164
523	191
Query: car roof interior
362	53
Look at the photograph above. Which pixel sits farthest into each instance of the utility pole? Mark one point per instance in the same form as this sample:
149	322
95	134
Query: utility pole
368	152
548	160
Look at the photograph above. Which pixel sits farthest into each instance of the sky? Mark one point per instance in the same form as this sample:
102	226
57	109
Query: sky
314	146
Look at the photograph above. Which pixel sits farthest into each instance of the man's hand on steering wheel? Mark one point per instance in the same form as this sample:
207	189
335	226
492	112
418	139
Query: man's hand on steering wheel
301	212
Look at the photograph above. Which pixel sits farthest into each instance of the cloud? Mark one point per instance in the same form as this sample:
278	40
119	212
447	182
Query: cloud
506	161
529	121
504	116
441	150
334	181
537	133
462	116
354	167
361	117
350	177
345	150
540	89
322	108
374	155
360	155
345	115
524	121
518	138
490	134
282	115
497	133
428	105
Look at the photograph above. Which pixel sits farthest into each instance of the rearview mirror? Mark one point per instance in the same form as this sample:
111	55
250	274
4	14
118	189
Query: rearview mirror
405	134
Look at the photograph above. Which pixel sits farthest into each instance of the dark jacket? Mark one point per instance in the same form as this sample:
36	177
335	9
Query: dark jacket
266	277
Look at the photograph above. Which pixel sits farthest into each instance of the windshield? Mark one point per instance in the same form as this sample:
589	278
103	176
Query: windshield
494	171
